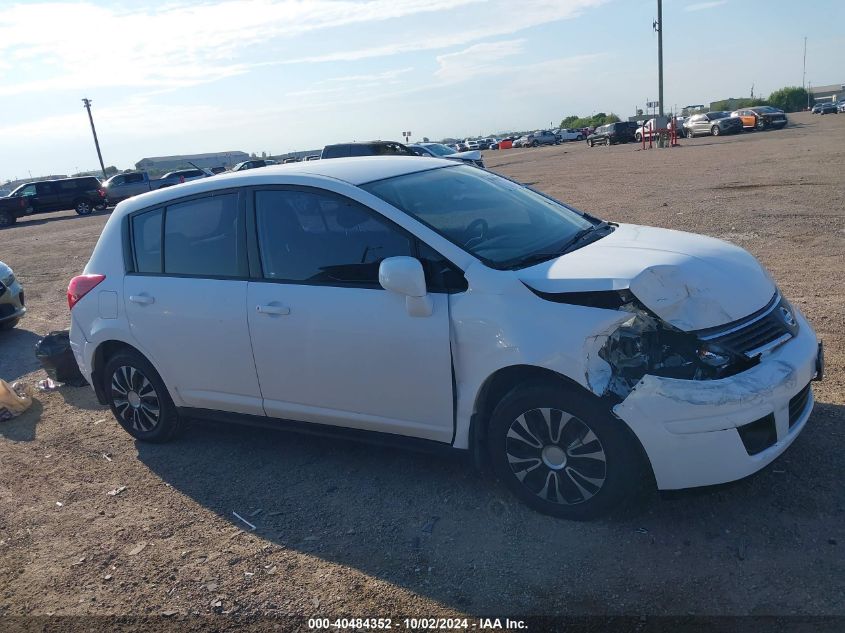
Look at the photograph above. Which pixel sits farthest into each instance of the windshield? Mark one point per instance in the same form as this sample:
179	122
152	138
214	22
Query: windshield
439	149
504	224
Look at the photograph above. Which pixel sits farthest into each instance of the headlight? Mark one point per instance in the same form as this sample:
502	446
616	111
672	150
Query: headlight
7	276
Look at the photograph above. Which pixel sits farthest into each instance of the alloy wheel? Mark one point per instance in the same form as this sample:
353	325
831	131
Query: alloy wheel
556	456
135	399
83	208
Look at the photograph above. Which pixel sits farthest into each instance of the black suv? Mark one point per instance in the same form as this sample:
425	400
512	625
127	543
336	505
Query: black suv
619	132
83	194
372	148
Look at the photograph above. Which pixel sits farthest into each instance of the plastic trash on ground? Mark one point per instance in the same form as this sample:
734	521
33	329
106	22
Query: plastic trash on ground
14	399
55	355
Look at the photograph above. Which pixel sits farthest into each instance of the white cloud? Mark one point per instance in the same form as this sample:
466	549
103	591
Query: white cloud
476	60
85	46
701	6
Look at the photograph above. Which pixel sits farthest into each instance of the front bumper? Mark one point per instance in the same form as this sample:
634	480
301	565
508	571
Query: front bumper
689	428
12	304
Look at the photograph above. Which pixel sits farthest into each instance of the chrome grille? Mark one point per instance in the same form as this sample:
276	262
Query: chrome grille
756	333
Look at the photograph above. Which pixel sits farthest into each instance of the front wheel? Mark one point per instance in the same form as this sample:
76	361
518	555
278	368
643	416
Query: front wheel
139	399
590	143
638	137
562	453
7	218
534	144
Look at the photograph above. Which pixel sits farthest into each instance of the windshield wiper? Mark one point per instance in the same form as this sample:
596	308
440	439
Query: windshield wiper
569	245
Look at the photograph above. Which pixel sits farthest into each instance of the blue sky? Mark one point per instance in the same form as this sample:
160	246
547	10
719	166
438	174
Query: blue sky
274	76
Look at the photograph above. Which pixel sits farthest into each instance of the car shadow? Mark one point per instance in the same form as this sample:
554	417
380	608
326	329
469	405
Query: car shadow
81	398
17	353
437	527
22	427
50	217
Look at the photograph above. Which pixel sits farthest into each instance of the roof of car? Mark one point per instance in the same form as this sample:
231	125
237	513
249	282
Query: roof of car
355	171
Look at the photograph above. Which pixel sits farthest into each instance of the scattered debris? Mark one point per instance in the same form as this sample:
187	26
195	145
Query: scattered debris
249	573
107	457
316	602
79	562
14	399
257	512
59	503
272	570
99	421
137	549
212	586
107	577
252	527
57	359
642	530
48	384
116	491
169	613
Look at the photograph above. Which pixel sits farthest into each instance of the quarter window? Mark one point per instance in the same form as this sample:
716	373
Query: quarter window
146	238
201	237
316	237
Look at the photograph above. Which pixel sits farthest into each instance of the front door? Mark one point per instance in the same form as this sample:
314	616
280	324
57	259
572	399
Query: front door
186	306
330	344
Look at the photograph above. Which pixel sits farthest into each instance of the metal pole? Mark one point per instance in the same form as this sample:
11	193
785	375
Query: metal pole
87	103
804	74
660	54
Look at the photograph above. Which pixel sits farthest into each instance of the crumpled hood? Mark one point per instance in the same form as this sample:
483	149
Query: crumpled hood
691	281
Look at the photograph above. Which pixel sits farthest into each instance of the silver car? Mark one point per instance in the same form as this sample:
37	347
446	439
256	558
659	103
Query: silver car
714	123
11	299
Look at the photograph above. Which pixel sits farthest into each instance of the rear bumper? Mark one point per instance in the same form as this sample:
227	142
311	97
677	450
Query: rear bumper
689	429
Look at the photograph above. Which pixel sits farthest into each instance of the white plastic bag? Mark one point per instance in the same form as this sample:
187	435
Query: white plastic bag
14	399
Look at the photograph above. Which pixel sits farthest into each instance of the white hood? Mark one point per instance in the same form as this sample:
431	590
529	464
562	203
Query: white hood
690	281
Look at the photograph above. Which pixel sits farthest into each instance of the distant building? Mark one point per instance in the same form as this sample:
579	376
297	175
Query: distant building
216	159
693	109
834	92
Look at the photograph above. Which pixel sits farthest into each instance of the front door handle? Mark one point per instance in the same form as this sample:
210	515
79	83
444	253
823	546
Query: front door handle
144	300
272	309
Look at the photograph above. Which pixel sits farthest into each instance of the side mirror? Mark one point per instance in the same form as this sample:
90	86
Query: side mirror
404	276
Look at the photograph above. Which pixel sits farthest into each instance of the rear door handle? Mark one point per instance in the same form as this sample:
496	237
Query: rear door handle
144	300
272	309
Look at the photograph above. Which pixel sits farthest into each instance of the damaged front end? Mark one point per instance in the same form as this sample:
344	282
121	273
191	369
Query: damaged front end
644	344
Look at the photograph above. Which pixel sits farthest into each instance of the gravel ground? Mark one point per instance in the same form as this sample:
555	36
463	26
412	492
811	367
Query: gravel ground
353	530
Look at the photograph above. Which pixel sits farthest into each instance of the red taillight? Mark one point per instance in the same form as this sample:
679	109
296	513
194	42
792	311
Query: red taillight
81	286
102	193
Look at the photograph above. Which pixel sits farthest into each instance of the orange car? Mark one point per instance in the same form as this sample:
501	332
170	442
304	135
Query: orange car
749	118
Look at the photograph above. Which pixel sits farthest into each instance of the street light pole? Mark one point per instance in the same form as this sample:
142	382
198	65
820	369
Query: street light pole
660	55
87	103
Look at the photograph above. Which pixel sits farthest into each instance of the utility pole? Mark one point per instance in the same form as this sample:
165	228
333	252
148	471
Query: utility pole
659	28
804	74
87	103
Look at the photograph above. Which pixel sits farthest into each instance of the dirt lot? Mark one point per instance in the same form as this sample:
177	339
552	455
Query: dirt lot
356	530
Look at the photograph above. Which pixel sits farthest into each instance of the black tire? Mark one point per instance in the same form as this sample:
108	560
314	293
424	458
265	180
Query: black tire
578	467
8	325
83	207
534	144
580	137
590	143
608	141
689	133
715	131
638	137
149	415
7	218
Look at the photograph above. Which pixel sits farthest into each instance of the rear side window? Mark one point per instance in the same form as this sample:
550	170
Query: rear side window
146	239
201	237
335	151
134	178
314	237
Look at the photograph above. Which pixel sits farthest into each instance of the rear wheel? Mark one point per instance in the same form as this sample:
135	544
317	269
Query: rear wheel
715	131
562	453
7	218
138	398
83	207
638	137
534	144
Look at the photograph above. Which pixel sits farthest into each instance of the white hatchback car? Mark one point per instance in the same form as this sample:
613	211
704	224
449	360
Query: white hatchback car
435	303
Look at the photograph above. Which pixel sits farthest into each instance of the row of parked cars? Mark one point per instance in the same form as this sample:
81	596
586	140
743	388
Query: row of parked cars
829	107
706	123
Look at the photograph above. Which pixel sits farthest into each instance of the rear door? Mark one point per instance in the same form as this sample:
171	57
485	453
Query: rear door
186	301
46	197
330	344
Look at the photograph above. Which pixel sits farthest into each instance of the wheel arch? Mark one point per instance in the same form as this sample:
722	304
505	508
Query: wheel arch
102	354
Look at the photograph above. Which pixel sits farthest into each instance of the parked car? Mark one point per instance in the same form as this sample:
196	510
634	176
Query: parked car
12	307
349	312
123	186
611	133
564	134
254	163
83	194
535	139
828	108
438	150
474	144
313	157
371	148
817	107
714	123
748	118
769	117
